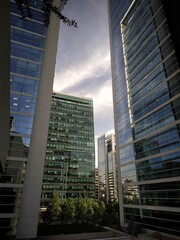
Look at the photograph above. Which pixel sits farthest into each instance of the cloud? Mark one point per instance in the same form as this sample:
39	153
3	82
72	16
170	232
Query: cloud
103	97
83	59
91	79
103	108
94	66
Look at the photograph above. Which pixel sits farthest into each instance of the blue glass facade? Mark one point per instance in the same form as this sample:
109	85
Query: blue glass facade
27	43
147	116
26	48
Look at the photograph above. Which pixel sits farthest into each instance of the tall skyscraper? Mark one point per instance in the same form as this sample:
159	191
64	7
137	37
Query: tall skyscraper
145	70
70	156
107	166
32	62
102	165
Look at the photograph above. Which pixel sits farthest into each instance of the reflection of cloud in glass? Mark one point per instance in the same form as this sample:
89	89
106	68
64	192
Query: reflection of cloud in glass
26	141
21	124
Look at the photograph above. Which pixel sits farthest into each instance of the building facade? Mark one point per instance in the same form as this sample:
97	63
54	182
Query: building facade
145	72
70	156
97	184
32	64
107	166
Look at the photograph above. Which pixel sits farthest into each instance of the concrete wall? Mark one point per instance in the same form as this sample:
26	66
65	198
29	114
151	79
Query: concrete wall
4	81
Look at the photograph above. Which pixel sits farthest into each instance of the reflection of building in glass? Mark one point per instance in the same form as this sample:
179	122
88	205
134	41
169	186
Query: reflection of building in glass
107	167
130	192
145	52
70	160
32	62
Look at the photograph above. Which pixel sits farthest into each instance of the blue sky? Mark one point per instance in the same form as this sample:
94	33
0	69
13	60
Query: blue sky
83	59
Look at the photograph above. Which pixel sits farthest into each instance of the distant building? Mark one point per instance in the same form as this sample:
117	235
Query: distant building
97	184
145	57
70	156
27	64
107	167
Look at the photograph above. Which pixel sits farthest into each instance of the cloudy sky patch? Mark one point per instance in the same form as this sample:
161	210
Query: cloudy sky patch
83	59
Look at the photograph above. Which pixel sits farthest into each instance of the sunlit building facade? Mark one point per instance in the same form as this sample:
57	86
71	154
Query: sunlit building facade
145	70
69	166
32	63
107	166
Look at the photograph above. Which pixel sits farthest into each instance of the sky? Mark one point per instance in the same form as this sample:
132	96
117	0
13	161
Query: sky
83	59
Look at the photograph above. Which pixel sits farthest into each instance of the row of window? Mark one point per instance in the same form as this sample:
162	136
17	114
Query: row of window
152	101
69	146
57	135
162	142
25	68
28	25
162	221
70	105
155	121
60	159
60	179
24	85
67	187
27	38
36	12
60	172
69	141
26	52
148	83
71	124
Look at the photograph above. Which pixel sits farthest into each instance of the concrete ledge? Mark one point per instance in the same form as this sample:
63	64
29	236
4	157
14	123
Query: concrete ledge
106	235
79	236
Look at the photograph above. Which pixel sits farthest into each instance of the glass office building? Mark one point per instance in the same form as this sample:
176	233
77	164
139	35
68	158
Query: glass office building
146	74
107	166
102	166
30	83
70	156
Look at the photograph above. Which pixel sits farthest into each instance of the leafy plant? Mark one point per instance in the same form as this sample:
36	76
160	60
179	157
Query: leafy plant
68	209
55	207
48	8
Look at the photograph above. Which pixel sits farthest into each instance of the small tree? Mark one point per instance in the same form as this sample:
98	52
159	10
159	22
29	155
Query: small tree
90	210
67	209
80	209
55	207
98	212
